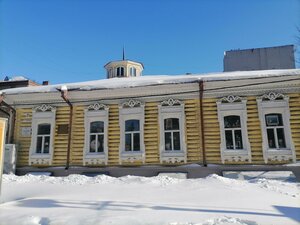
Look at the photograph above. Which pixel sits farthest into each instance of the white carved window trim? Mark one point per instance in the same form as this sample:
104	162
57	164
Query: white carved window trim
172	108
95	112
131	110
234	106
43	114
276	103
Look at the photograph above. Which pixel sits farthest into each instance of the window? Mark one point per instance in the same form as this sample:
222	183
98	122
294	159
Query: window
233	132
274	117
132	135
131	121
43	128
96	127
172	134
132	71
96	137
43	138
275	131
232	116
110	73
120	71
172	131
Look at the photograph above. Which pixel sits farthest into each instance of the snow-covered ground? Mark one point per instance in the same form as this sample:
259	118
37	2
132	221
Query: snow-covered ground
160	200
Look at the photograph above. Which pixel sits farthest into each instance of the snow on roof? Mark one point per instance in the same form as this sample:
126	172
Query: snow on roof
16	78
114	83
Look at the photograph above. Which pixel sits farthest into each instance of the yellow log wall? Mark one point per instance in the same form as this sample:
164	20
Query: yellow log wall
151	133
212	130
192	131
76	157
60	140
23	119
254	131
113	135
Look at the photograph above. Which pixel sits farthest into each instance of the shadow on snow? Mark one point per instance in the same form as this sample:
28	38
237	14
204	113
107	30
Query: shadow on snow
289	212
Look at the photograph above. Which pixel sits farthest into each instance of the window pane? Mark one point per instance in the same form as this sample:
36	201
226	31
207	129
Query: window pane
120	71
46	144
271	138
101	143
132	125
132	71
168	145
136	142
97	127
39	145
232	122
229	139
273	120
44	128
171	124
281	139
93	143
176	140
128	142
238	139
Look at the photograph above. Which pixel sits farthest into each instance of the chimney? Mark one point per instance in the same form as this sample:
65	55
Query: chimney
45	82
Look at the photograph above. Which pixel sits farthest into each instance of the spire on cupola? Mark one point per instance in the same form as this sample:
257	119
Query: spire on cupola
124	68
123	53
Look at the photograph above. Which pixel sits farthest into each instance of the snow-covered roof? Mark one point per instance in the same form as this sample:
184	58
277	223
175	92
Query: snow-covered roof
115	83
16	78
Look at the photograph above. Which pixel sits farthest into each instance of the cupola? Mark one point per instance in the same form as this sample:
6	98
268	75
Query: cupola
124	68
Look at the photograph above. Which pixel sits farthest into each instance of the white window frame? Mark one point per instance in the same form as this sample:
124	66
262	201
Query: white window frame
234	106
93	113
131	110
172	135
276	103
43	114
131	136
43	136
172	109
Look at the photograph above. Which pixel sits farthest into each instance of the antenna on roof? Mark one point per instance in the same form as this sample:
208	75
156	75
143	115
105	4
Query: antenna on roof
123	53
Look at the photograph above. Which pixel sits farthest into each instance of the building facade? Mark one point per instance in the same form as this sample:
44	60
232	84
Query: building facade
270	58
6	112
238	118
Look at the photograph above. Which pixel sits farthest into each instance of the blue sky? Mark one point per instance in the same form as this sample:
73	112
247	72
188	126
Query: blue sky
70	40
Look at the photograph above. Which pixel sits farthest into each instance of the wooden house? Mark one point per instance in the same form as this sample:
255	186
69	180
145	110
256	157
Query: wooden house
134	121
